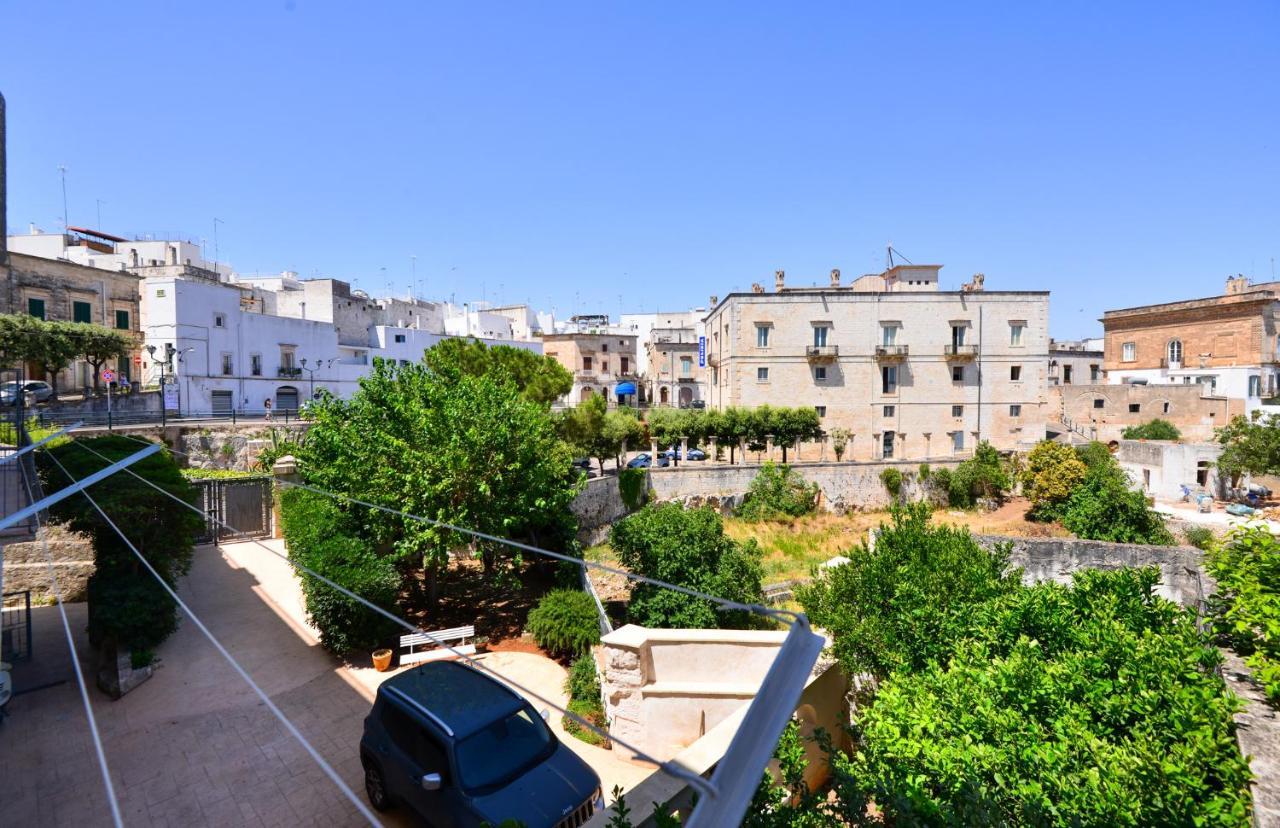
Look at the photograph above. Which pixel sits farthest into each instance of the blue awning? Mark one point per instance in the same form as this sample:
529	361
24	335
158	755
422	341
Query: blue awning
625	388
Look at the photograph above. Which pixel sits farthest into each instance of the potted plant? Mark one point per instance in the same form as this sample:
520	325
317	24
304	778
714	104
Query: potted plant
382	660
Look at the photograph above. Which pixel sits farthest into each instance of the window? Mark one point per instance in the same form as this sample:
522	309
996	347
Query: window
1066	374
889	379
626	365
957	373
686	365
762	336
586	363
1129	352
604	365
957	411
1255	386
820	372
957	335
1164	409
886	444
1095	373
604	347
762	375
219	320
888	411
81	312
226	365
1015	411
1015	333
889	335
957	441
160	293
1175	352
1135	408
255	364
820	336
1015	373
399	337
1099	403
286	360
821	409
35	307
122	320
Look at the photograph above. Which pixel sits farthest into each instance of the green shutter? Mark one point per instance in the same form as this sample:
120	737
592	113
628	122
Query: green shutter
81	312
35	307
122	320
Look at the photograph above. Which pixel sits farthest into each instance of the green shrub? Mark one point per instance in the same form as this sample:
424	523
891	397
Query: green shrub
631	485
1104	507
1053	472
1157	429
1246	607
981	476
317	535
924	472
902	604
892	480
1090	705
1201	537
583	681
777	493
687	547
565	623
593	712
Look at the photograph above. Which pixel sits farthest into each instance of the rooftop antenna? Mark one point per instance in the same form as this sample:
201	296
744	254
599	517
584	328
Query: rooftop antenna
889	256
216	222
99	202
66	221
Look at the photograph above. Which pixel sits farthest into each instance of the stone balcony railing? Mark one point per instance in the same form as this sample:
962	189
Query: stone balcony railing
288	372
891	352
961	351
822	353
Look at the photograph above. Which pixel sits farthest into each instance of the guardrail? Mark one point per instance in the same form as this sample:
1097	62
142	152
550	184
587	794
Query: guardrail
44	418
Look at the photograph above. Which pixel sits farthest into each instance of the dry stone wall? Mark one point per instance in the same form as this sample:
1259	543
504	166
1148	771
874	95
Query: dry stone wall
26	566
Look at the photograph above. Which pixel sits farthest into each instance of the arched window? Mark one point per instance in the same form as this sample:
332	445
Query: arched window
1175	350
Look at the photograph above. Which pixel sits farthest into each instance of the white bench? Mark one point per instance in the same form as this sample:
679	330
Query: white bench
434	639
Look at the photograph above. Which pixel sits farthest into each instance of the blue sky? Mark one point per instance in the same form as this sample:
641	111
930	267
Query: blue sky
597	156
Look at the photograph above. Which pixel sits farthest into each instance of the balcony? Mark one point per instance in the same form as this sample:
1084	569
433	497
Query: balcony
714	360
288	372
822	353
585	376
961	352
891	353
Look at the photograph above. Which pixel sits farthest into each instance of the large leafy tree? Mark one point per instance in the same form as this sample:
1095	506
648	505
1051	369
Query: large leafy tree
538	377
442	441
1053	472
595	431
1250	445
687	547
99	345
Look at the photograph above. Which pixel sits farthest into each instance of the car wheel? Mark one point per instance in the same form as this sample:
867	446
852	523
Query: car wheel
375	787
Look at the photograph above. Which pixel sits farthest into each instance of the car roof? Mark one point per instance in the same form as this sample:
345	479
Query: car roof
458	699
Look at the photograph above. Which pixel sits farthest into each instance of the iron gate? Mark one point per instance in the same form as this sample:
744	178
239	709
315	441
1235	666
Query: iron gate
15	626
236	508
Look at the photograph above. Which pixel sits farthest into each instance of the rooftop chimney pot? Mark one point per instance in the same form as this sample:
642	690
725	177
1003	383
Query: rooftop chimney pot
779	278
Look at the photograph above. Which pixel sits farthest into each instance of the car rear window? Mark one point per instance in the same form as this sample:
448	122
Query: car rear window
503	750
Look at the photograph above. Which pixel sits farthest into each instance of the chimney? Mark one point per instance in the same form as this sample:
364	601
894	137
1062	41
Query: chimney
756	287
779	277
1237	284
835	277
715	300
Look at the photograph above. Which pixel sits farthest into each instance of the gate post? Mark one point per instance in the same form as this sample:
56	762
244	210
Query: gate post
283	471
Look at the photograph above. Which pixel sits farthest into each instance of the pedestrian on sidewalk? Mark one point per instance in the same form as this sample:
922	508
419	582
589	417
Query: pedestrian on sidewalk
266	405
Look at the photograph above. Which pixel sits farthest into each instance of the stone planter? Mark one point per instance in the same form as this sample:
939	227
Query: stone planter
116	674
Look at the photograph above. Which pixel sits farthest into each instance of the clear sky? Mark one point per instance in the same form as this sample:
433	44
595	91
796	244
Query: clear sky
600	156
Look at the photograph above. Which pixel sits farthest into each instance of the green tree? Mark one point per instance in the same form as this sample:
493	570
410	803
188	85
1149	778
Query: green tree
565	623
686	547
538	377
1105	507
904	602
128	609
54	347
1053	472
840	438
778	493
457	447
1246	607
20	336
1156	429
98	345
982	476
1250	445
791	426
597	432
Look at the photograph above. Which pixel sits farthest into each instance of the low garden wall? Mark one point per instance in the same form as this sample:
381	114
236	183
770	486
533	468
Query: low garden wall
26	566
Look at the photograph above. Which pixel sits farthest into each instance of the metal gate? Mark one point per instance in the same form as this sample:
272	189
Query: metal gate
15	626
237	508
222	403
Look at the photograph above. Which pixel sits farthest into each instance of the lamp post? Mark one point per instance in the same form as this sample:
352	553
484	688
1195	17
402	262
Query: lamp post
168	357
312	373
176	380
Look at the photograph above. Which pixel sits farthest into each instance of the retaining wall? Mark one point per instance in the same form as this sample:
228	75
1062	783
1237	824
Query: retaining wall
26	566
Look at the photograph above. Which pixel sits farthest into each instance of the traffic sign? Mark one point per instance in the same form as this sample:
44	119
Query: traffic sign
137	360
108	375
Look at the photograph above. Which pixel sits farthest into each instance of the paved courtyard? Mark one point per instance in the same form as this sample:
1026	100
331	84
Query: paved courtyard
194	745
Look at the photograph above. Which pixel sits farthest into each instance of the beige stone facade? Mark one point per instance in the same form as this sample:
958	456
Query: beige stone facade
597	360
913	373
674	376
1102	412
63	291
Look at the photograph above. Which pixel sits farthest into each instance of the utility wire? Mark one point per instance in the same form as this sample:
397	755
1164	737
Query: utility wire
75	658
320	760
670	768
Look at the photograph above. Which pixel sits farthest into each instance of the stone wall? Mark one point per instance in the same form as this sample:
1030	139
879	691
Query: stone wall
26	566
1056	559
597	507
141	402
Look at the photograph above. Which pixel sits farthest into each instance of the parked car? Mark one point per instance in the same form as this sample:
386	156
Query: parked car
462	749
583	463
644	461
673	453
41	390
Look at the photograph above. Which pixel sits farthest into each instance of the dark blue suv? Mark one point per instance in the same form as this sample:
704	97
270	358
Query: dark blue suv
463	750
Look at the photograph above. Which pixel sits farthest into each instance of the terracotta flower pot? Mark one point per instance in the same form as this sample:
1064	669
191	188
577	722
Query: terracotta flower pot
382	660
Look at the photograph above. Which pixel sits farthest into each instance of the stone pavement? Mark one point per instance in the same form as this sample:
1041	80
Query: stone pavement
193	746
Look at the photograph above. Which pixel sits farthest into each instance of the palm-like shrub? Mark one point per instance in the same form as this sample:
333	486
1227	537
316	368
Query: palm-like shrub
565	623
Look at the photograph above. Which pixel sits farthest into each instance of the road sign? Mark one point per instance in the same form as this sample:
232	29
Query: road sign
137	360
108	375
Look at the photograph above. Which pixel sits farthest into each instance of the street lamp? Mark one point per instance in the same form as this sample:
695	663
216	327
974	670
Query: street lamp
312	372
176	382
